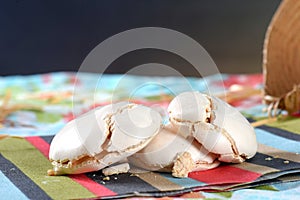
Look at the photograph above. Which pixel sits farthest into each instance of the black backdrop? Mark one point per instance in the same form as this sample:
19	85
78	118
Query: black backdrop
42	36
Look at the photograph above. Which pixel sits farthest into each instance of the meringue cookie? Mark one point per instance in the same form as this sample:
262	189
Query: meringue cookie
170	152
219	127
102	137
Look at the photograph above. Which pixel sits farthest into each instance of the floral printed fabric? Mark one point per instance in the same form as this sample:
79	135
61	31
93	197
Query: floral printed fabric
49	101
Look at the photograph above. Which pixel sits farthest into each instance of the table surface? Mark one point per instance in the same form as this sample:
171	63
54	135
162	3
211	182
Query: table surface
49	101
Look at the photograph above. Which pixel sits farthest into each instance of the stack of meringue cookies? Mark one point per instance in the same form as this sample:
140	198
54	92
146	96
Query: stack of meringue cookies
202	132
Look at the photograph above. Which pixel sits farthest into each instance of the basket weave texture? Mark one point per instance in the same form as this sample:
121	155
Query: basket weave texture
281	55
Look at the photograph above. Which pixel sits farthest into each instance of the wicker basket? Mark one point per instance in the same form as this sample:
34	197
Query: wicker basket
281	58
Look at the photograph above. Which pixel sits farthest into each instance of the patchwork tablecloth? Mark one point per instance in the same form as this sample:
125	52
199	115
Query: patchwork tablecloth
48	101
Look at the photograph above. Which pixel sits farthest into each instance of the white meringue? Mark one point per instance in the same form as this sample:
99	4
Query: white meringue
167	149
102	137
219	127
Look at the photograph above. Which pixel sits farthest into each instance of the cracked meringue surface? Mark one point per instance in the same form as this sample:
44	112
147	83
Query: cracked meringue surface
203	131
219	127
102	137
170	152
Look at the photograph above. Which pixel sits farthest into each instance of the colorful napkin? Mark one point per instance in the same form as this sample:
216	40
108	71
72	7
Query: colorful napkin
59	97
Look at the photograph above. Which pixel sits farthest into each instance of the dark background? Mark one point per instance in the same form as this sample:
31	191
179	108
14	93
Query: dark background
43	36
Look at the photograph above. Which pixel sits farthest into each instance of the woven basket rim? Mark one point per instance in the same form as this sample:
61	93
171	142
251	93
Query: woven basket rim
281	68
